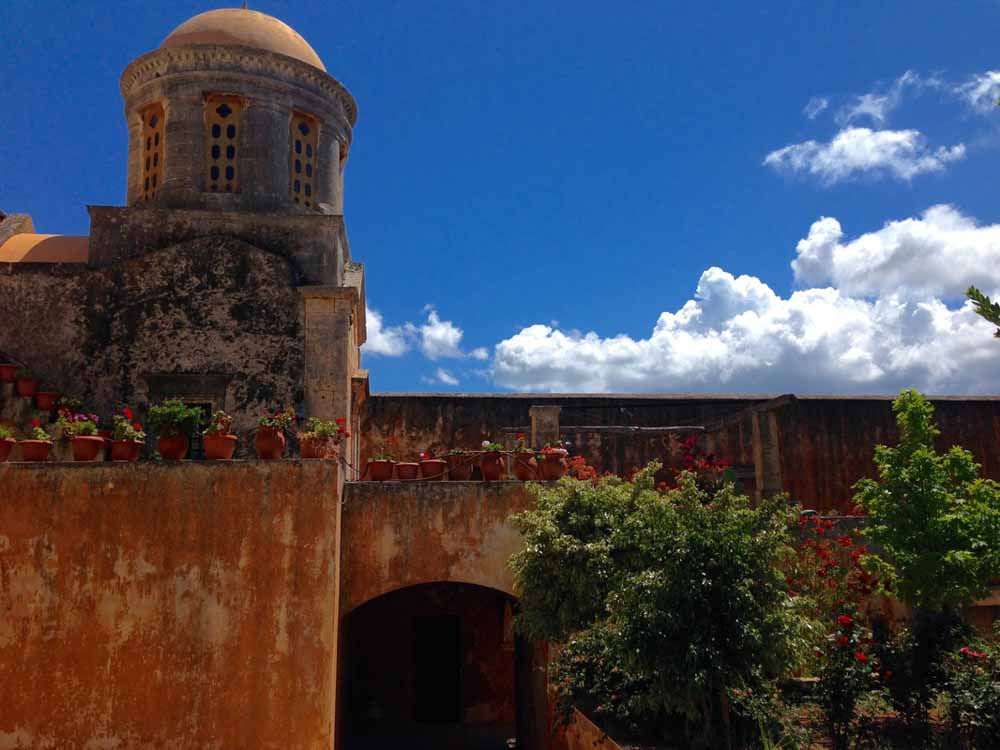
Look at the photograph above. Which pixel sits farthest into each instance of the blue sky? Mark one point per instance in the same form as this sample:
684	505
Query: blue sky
561	196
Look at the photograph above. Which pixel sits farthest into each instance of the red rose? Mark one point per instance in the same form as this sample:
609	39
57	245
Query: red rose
843	640
845	621
861	657
128	413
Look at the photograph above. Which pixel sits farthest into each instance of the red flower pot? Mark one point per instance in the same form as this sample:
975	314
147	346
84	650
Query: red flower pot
492	466
524	465
317	447
219	447
125	450
433	469
8	373
86	447
270	443
26	387
35	450
553	465
459	467
380	471
46	400
406	471
173	447
6	446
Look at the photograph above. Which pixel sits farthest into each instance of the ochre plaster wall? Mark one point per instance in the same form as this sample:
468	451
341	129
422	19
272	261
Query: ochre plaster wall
399	534
180	606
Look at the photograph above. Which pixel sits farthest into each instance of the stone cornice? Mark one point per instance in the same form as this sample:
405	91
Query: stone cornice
233	58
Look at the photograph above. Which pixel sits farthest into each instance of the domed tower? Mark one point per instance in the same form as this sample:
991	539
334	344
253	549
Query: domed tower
236	112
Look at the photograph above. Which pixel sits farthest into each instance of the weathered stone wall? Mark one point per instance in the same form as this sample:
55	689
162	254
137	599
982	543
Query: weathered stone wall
213	306
825	444
148	606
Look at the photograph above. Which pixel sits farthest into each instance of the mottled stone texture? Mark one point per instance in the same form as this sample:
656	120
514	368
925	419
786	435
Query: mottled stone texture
146	606
209	306
11	224
399	534
823	444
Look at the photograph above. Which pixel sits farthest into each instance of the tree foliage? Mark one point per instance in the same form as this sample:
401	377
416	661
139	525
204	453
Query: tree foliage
935	517
986	307
671	606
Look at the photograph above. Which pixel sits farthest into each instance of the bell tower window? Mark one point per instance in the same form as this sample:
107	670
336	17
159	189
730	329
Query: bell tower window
152	150
222	138
302	159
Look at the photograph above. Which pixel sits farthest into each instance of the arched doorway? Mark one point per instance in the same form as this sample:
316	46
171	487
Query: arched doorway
431	666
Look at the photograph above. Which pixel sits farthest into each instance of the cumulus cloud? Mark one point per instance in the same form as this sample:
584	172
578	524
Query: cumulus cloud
981	91
939	254
439	338
815	106
737	334
388	341
481	353
902	154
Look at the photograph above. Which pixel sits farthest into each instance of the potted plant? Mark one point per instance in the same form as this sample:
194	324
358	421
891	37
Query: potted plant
8	372
37	447
270	440
522	460
27	382
127	437
217	439
552	462
7	442
432	469
381	465
173	421
321	438
46	400
491	463
81	429
407	471
460	463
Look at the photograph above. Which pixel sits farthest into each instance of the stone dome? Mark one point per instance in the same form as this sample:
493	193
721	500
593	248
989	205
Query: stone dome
247	28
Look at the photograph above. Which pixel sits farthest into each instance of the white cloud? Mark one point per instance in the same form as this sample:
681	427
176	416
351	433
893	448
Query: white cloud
814	106
440	338
902	154
481	353
878	104
390	341
441	377
940	254
981	91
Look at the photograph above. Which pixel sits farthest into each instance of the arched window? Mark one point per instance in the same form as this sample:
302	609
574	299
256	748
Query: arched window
222	143
151	150
302	159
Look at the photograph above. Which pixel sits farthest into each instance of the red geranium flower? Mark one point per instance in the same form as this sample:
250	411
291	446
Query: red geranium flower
845	620
341	420
861	657
843	640
128	413
136	426
36	423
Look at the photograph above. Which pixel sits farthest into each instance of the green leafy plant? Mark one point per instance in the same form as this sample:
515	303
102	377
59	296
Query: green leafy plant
78	425
174	417
124	427
220	424
38	432
5	433
491	447
520	444
280	419
986	307
972	696
680	591
385	452
319	429
27	373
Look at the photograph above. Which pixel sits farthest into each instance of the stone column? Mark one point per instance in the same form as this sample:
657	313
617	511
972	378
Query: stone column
328	181
328	315
544	425
265	155
183	147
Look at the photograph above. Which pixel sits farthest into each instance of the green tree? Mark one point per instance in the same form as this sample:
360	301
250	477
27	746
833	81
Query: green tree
670	606
986	307
934	515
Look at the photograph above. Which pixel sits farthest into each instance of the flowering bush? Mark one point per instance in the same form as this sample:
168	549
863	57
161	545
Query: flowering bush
972	697
318	429
280	419
77	425
580	469
124	427
849	671
220	424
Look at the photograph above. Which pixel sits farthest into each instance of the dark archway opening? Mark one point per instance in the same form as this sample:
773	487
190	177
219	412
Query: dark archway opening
433	666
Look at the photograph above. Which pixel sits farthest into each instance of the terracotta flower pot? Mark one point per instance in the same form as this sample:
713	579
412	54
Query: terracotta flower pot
407	471
459	467
270	443
35	450
6	446
433	469
380	471
492	466
125	450
46	400
8	372
553	465
173	447
313	447
524	465
219	447
86	447
26	387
